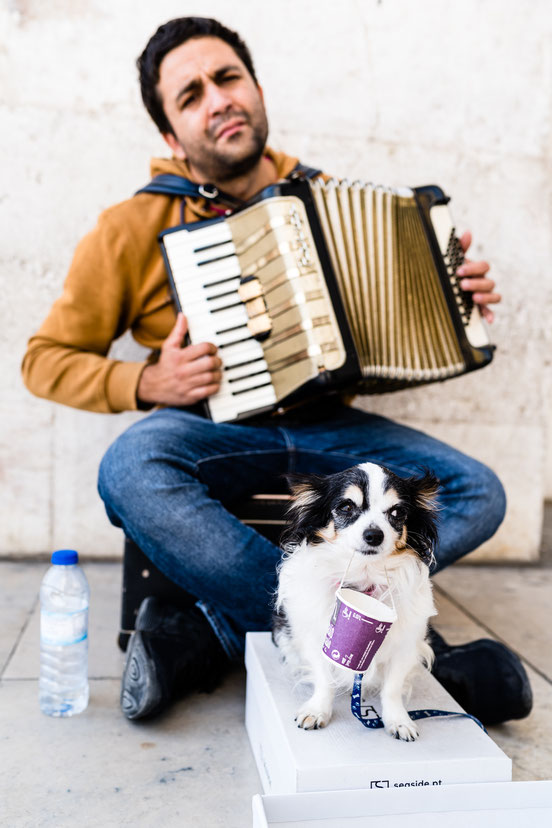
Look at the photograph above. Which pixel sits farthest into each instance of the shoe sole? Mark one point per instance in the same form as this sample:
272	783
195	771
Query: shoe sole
141	691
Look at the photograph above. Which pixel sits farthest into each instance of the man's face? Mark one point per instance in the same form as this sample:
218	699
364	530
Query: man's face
215	109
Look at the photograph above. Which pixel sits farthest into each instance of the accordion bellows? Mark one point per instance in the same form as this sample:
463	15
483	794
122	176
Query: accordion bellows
322	286
391	289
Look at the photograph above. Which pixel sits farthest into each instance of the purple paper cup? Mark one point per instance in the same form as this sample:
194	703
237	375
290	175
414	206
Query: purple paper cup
358	626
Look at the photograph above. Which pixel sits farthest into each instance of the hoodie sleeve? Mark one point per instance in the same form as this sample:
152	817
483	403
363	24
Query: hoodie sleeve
66	361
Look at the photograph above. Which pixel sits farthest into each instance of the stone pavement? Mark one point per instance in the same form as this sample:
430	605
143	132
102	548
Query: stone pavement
193	766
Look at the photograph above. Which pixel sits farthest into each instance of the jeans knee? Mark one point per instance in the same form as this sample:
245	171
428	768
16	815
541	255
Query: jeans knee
144	467
482	499
474	506
493	498
110	475
122	472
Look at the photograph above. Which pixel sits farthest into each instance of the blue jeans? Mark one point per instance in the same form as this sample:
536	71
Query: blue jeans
168	479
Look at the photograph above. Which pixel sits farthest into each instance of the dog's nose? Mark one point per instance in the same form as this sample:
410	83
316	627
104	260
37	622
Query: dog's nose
373	536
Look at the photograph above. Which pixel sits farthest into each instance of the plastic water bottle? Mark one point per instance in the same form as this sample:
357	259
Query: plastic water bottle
64	599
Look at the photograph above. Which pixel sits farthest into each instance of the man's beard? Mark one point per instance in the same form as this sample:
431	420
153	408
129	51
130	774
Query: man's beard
219	165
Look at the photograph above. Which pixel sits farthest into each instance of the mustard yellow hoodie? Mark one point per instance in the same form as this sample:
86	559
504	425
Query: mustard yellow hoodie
116	282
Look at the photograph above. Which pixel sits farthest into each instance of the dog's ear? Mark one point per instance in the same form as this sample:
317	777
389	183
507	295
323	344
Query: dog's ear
421	525
427	489
303	513
304	488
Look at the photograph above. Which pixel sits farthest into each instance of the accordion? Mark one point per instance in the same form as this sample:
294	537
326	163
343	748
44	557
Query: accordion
317	287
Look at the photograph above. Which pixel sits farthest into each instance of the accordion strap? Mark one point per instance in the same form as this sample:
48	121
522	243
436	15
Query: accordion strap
171	185
177	185
302	171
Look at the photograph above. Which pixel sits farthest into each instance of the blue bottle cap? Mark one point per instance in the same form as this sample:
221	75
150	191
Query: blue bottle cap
65	557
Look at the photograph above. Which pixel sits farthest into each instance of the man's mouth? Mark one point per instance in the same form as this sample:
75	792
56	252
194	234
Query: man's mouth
229	128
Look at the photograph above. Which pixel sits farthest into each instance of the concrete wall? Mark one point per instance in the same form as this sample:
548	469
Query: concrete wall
457	93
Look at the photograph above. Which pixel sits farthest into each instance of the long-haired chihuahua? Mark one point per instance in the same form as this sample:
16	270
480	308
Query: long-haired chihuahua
381	530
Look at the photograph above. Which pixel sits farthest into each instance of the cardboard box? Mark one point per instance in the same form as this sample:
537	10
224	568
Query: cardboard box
480	805
345	755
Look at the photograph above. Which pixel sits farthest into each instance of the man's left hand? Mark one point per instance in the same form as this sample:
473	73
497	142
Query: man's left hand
475	279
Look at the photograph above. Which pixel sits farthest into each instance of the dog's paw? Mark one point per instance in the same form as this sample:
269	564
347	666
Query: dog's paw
405	730
310	719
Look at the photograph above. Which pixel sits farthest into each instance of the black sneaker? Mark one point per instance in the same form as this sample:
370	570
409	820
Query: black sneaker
486	678
171	653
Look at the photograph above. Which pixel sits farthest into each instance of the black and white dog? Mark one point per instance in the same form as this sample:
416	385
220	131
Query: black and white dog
383	528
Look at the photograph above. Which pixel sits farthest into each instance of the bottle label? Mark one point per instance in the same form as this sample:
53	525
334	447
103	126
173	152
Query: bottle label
58	629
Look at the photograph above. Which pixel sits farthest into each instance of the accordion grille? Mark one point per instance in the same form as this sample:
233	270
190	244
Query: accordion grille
390	285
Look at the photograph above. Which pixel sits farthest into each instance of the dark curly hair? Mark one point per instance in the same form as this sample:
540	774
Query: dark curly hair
168	37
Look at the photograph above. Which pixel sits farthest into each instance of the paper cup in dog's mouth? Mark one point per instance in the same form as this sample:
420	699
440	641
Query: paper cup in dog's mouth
358	625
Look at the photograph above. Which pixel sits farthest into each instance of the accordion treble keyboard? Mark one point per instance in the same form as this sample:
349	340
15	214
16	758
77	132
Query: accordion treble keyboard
268	244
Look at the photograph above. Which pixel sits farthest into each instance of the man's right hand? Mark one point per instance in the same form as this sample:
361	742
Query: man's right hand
182	375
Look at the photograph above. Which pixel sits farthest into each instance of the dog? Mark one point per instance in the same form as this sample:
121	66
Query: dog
381	529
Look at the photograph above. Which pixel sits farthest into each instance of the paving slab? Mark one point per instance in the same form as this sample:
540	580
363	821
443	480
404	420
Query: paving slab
528	742
513	603
18	597
190	767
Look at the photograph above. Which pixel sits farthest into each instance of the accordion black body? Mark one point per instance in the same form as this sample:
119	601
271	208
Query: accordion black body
317	287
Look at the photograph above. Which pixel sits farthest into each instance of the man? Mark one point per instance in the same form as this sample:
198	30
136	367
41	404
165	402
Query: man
167	479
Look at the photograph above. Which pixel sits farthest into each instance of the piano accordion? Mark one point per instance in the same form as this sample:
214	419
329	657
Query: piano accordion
317	287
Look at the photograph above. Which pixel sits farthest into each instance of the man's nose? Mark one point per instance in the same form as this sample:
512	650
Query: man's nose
217	99
373	536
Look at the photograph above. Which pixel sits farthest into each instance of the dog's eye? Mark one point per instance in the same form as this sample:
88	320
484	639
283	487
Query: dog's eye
346	507
397	513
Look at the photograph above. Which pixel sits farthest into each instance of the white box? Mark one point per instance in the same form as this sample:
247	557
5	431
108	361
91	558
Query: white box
479	805
345	755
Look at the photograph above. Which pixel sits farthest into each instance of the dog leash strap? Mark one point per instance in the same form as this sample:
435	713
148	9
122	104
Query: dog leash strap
377	721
